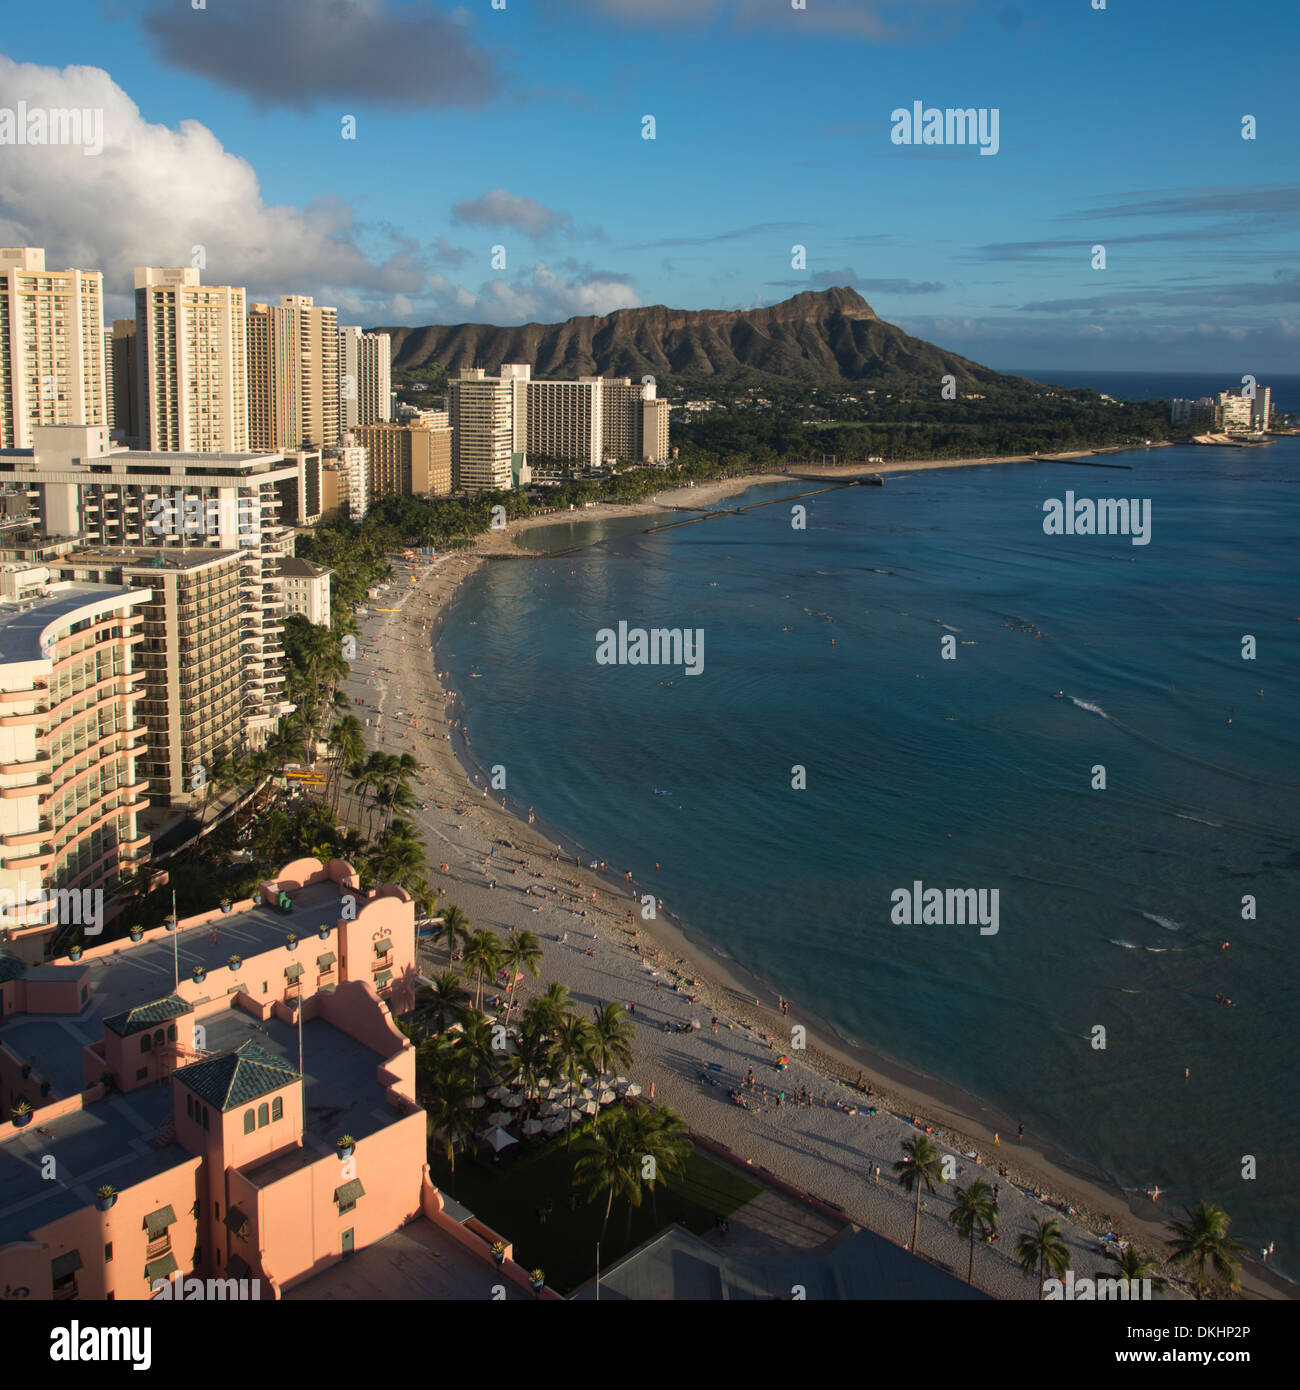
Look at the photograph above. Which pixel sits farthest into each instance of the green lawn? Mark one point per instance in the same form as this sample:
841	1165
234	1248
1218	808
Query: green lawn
507	1197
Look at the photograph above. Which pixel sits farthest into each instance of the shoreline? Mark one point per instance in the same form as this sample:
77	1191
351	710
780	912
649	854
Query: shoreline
727	988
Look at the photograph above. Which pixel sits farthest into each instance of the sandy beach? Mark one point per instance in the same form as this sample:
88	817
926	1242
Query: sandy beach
507	875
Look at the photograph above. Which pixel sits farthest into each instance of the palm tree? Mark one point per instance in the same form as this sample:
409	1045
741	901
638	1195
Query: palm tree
661	1136
423	896
919	1166
453	927
551	1009
573	1040
522	951
611	1043
609	1162
1203	1238
348	740
445	1000
532	1059
1041	1250
450	1113
976	1211
482	953
1135	1264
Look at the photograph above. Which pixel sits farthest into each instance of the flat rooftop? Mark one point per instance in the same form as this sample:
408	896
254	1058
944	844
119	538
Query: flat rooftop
110	1142
414	1263
139	973
146	557
21	625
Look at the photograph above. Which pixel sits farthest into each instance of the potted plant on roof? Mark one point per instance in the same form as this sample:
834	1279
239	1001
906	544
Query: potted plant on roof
323	932
170	921
22	1114
291	941
25	1070
105	1196
234	962
225	904
106	1078
74	951
498	1252
537	1278
199	973
136	933
345	1144
46	1085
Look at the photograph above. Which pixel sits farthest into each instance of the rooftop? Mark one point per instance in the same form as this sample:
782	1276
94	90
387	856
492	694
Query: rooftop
295	568
21	625
238	1077
145	557
110	1142
144	973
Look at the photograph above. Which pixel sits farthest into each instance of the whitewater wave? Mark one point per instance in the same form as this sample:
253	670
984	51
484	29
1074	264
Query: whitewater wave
1089	706
1167	923
950	627
1213	824
1127	945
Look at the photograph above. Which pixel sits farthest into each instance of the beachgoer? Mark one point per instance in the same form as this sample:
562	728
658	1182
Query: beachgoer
996	1140
1020	1133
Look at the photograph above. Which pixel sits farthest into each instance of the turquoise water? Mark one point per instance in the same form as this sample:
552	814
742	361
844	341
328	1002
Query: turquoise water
1112	903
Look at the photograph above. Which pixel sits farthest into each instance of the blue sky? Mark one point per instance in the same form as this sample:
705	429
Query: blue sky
521	127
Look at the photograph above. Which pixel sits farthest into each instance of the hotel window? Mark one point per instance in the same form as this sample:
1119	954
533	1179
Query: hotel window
189	1105
144	1042
108	1252
248	1122
263	1115
142	1073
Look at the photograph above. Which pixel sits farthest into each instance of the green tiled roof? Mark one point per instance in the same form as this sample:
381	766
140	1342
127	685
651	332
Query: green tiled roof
156	1222
12	967
66	1264
383	946
326	960
237	1077
146	1015
349	1192
160	1268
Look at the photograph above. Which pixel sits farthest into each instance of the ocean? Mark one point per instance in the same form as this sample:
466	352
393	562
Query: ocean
823	651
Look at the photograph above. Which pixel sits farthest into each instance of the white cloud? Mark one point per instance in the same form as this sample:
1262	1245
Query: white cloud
156	192
501	209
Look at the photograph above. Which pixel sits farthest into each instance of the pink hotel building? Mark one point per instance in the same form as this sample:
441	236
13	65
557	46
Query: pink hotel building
169	1069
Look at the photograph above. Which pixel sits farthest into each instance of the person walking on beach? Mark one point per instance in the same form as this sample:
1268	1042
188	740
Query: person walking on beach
877	1174
715	1027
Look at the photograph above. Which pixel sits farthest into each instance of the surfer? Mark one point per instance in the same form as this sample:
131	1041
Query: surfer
1060	695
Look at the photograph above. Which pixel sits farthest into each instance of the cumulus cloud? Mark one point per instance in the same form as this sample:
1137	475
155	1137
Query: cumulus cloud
501	209
296	53
156	193
537	295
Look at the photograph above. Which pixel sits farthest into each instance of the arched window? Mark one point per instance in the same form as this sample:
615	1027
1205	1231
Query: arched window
159	1038
248	1122
263	1115
144	1042
277	1108
171	1033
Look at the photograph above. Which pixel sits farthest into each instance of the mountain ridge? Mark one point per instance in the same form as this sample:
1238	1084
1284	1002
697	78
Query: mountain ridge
817	337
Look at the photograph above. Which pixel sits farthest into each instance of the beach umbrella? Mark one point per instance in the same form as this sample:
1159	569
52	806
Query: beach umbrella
477	1103
531	1127
557	1093
552	1107
608	1080
496	1093
498	1139
552	1126
588	1107
512	1102
606	1097
618	1082
582	1096
544	1081
631	1089
500	1117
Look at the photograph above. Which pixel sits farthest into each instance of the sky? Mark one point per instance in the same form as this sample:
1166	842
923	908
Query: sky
414	161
